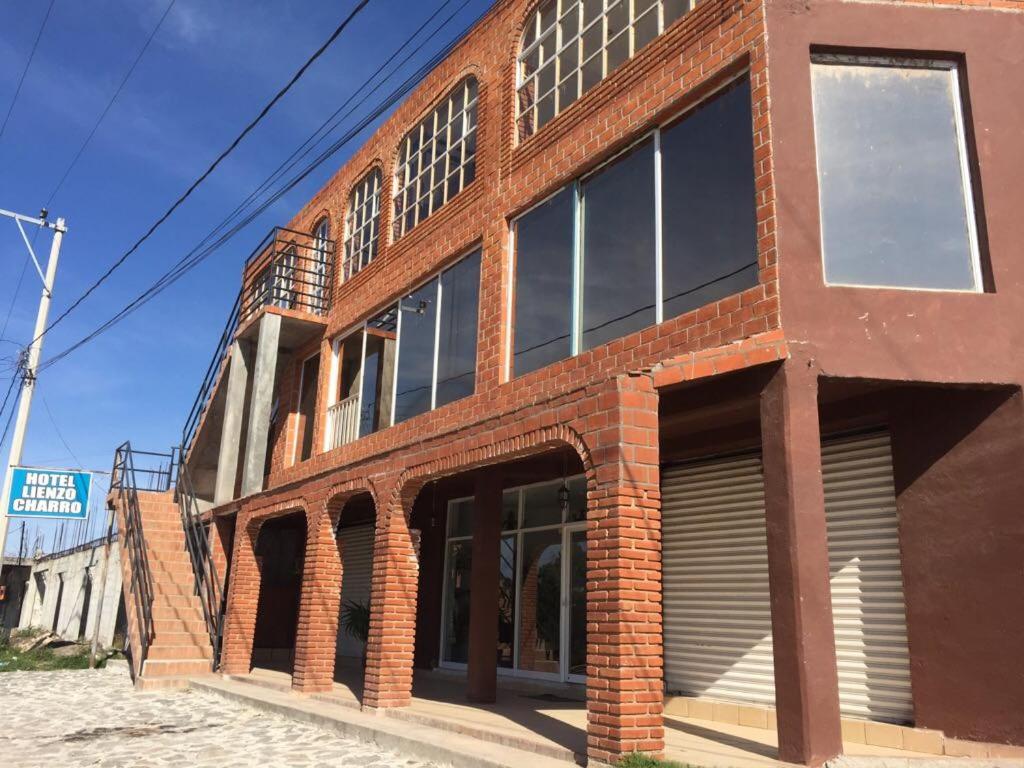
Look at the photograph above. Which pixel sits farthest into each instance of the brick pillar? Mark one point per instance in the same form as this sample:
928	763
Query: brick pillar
806	683
317	633
625	689
243	598
482	674
389	651
221	541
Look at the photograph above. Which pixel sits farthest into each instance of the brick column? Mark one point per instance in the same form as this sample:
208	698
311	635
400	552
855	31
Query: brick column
317	633
389	651
243	598
624	642
806	683
482	674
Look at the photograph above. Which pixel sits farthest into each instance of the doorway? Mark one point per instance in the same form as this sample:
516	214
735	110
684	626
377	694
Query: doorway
280	554
542	626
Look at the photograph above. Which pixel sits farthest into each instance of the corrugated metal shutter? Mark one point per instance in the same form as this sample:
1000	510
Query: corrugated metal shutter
717	614
866	578
357	563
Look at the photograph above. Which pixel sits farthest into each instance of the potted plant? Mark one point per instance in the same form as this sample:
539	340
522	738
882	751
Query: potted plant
355	621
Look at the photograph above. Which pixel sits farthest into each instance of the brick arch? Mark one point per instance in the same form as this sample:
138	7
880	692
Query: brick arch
411	480
338	496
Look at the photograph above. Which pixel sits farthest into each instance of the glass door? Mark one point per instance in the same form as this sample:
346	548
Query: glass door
574	623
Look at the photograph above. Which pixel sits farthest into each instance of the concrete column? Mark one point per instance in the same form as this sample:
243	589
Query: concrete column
231	428
806	683
317	632
260	404
482	674
389	652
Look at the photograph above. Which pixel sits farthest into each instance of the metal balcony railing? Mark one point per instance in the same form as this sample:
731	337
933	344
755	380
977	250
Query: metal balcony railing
289	270
343	422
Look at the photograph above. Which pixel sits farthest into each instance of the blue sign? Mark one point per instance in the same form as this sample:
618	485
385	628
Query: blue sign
54	493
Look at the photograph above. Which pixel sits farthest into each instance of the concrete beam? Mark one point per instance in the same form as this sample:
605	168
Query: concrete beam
260	404
239	363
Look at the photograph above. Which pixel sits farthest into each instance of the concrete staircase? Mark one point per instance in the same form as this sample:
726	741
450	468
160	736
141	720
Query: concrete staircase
180	645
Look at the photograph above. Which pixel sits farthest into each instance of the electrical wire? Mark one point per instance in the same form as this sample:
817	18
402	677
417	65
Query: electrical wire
220	158
53	421
24	72
198	254
106	109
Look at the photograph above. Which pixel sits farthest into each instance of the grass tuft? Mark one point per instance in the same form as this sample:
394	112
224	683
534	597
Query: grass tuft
640	760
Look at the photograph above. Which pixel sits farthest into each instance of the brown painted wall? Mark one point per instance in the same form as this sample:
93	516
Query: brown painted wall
899	334
960	493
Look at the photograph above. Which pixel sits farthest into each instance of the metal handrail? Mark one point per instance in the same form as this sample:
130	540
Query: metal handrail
204	569
343	421
123	480
289	270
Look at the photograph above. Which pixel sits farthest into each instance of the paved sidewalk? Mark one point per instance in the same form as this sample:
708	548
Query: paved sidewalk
83	718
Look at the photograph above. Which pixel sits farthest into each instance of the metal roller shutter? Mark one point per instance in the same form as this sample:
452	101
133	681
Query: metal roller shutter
717	614
357	570
866	578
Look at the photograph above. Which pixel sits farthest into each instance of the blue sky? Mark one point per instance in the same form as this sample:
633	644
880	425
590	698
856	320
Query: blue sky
209	70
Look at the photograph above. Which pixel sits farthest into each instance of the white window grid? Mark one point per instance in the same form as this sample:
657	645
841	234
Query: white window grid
362	225
569	46
437	159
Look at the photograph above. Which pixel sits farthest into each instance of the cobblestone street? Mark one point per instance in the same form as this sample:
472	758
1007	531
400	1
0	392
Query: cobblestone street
83	718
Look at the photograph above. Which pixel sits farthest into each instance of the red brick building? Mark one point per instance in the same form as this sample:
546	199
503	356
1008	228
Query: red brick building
667	350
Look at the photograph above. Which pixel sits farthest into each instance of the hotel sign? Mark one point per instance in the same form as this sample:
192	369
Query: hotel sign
49	493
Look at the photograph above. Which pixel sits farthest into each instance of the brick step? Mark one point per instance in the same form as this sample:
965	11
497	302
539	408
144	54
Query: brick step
180	603
179	653
195	627
174	667
179	613
170	565
174	588
167	683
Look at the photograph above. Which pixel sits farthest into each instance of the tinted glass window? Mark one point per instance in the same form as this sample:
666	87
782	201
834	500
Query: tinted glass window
618	248
543	292
891	176
709	219
456	350
416	352
378	373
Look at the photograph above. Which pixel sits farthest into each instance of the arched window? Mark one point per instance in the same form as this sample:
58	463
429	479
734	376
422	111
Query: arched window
319	263
362	224
569	46
437	158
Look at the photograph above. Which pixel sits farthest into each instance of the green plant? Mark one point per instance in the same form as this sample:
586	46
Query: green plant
640	760
355	620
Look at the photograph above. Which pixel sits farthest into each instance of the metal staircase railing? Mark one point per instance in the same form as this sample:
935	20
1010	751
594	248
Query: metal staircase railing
125	481
197	540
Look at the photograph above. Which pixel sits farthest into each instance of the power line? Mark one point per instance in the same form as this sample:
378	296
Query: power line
28	64
198	254
220	158
110	103
56	429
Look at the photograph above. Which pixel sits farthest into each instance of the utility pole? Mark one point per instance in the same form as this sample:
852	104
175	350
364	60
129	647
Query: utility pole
28	380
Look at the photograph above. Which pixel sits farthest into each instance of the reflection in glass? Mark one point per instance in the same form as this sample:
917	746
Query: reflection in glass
578	603
543	289
456	619
540	599
378	373
507	602
618	247
540	505
416	352
891	175
456	344
460	518
709	219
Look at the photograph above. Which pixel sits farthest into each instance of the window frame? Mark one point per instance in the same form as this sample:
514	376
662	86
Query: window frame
654	134
964	153
403	180
370	247
554	34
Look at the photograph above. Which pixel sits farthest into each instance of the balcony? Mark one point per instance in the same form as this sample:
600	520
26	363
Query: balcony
343	422
289	270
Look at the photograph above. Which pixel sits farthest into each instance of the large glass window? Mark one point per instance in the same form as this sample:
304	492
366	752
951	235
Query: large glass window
457	331
680	204
544	278
893	176
362	224
709	214
542	557
618	247
569	46
437	158
413	356
416	352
